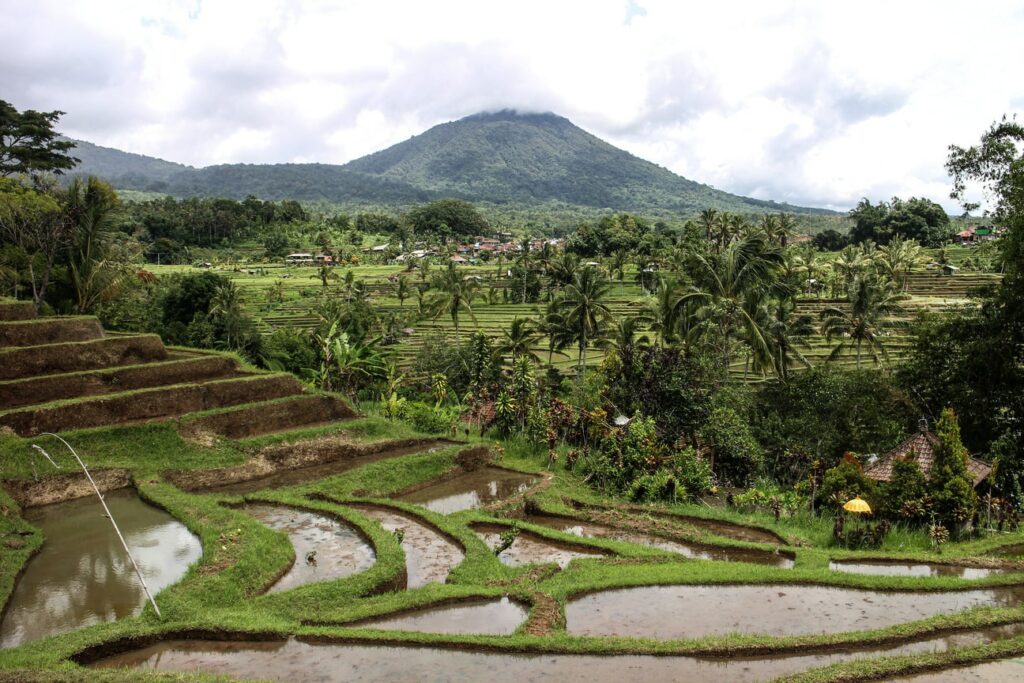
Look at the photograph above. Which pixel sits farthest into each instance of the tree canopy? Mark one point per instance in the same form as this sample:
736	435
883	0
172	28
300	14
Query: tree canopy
29	144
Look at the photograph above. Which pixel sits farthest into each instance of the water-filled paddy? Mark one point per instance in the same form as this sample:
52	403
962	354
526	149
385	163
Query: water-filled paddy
470	490
918	569
300	662
429	555
82	575
668	612
704	552
1000	671
325	548
493	617
530	548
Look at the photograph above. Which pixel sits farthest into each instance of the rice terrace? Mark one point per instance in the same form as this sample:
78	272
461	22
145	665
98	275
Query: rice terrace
347	373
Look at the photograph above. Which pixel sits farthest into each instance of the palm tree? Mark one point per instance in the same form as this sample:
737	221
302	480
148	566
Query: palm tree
551	323
525	262
787	331
275	292
585	314
226	306
661	309
872	305
897	259
625	334
519	340
453	294
563	269
402	290
850	265
617	265
97	268
731	286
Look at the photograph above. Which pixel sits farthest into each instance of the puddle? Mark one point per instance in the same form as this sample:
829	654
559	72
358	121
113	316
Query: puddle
495	617
999	671
471	490
429	556
591	530
338	550
82	576
300	662
781	610
304	475
530	548
920	569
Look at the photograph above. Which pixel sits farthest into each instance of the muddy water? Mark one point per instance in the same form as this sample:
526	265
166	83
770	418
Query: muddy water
471	490
591	530
338	550
884	568
300	662
304	475
1001	671
532	549
693	611
495	617
429	556
82	575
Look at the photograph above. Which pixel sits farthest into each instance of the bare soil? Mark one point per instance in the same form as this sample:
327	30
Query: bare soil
64	487
50	359
265	418
49	331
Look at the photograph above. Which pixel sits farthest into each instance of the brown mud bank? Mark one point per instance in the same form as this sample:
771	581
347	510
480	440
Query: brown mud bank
53	330
64	487
269	416
51	359
289	464
327	662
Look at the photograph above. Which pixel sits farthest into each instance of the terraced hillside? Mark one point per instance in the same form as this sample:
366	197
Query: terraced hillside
64	373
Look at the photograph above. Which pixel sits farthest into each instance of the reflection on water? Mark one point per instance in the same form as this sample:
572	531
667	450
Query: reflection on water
528	548
82	576
298	662
429	556
920	569
471	490
325	548
694	611
1001	671
704	552
494	617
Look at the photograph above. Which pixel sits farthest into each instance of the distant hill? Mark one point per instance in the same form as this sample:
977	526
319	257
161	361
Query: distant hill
502	158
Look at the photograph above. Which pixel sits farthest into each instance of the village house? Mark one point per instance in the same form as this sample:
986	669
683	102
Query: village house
922	445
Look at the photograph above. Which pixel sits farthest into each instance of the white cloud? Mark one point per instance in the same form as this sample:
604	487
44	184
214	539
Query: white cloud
808	102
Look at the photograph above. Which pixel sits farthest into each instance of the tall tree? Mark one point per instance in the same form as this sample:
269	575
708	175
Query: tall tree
585	313
30	145
97	268
872	310
453	293
34	222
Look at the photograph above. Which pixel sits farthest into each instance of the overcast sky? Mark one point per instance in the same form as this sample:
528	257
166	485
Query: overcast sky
814	103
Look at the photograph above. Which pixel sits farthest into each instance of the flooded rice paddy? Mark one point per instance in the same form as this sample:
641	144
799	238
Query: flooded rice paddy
671	612
471	490
999	671
429	555
82	575
325	548
494	617
703	552
529	548
918	569
301	662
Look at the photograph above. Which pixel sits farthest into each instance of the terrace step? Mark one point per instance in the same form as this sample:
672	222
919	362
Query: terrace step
52	359
49	331
270	416
17	310
148	404
35	390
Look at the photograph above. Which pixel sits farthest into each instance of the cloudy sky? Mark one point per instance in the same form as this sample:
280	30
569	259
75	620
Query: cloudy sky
815	103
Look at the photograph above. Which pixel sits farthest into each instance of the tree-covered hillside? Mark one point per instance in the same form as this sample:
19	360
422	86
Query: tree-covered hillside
503	158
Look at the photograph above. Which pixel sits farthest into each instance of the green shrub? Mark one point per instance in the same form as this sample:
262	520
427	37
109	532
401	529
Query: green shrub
429	419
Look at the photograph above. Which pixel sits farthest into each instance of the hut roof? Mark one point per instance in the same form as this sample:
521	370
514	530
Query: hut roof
922	444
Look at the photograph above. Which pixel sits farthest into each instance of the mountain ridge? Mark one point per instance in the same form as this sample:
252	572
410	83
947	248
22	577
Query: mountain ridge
503	157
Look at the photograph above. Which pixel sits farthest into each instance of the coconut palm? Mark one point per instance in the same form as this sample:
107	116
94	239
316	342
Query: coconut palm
896	259
731	286
873	303
402	290
96	265
551	323
585	314
787	334
453	294
661	309
625	334
519	340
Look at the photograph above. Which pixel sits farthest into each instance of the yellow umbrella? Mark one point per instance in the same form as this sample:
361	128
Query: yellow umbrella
857	505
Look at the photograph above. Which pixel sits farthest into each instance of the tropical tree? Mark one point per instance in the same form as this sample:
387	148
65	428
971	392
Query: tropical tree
326	273
873	303
897	258
585	314
95	263
625	334
402	290
787	334
551	323
519	340
452	294
33	221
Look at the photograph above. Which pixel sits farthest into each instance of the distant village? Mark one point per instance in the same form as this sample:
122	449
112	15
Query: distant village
468	253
